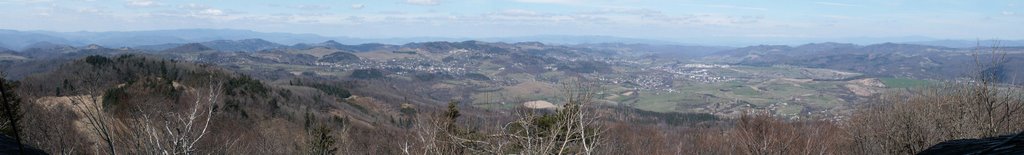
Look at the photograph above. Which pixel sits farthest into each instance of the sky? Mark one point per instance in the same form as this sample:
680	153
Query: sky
648	19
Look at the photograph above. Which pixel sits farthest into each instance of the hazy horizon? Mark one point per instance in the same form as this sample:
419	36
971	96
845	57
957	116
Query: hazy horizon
701	22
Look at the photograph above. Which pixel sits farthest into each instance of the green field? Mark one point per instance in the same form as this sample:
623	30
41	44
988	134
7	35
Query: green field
664	102
757	86
905	83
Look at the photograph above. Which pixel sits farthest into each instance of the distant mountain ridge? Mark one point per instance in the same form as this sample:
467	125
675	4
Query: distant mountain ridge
355	48
20	39
664	50
138	38
971	43
17	40
244	45
889	59
190	47
586	39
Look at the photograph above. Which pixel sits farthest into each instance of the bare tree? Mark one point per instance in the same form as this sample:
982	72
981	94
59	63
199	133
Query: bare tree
573	129
178	132
174	131
764	134
51	129
440	134
100	123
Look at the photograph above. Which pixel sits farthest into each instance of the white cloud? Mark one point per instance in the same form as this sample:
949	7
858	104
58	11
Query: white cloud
518	12
142	3
702	19
90	10
423	2
621	12
203	11
212	12
1008	13
193	6
311	7
357	6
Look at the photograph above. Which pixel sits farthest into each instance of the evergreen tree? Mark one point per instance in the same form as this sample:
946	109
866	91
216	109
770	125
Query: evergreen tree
322	141
10	111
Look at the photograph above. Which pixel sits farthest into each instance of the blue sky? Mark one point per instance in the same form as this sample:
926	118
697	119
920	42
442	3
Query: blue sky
651	19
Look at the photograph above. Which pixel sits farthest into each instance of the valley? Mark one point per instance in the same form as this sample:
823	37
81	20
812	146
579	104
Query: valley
504	76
